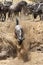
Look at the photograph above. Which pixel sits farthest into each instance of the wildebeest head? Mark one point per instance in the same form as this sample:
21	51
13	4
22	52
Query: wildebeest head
30	8
19	32
8	3
1	6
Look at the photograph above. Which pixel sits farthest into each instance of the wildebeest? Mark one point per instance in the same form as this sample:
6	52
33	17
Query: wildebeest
1	10
28	9
16	8
38	11
31	7
8	7
4	8
7	4
19	32
35	9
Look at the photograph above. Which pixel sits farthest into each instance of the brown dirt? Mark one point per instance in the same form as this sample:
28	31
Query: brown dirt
33	33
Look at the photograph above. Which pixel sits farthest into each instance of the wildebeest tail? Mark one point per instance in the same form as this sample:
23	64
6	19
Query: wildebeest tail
17	21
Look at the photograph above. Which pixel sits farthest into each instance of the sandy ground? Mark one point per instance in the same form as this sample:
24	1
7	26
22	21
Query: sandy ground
36	58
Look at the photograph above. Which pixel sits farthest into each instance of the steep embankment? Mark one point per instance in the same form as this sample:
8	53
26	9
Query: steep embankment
33	33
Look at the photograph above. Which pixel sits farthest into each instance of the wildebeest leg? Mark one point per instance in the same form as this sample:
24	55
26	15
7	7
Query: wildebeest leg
12	16
9	15
3	17
19	14
34	16
40	16
0	16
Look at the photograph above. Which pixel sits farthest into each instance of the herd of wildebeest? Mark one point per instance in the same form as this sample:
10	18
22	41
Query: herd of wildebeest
9	8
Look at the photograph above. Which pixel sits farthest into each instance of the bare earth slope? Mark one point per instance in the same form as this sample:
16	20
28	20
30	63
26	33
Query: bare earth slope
33	33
